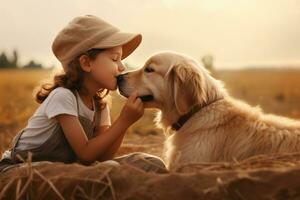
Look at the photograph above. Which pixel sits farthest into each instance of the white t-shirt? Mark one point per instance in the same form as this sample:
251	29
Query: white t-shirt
42	123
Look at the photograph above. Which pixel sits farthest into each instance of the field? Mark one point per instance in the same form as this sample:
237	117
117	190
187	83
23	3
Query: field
276	91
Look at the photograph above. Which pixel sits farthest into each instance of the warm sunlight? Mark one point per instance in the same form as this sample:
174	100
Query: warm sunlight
150	99
237	33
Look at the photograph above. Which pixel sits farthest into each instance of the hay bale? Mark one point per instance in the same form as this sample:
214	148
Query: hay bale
259	177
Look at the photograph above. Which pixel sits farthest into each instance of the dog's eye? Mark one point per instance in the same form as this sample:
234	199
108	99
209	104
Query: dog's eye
149	70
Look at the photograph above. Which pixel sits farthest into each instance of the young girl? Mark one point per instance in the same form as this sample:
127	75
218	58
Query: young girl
72	124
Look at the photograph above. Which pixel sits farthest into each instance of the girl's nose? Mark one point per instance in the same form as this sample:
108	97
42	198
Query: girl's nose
121	67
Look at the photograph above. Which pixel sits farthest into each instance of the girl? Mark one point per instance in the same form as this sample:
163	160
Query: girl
72	124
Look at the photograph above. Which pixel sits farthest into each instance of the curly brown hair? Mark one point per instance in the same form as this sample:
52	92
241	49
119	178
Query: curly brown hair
72	80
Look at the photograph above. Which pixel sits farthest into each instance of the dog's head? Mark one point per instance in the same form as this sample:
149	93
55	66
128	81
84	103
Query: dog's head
170	81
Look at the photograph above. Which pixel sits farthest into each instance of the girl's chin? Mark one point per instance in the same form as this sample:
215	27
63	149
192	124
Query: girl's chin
114	88
111	87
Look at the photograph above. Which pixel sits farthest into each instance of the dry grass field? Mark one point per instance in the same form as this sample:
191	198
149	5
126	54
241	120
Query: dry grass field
276	91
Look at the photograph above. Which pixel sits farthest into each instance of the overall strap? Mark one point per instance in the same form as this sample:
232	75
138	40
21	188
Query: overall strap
97	115
16	140
14	145
96	105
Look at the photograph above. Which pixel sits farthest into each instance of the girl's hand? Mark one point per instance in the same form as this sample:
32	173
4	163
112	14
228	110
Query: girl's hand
132	110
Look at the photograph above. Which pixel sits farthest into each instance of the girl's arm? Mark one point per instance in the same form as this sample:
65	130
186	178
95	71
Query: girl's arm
90	150
112	150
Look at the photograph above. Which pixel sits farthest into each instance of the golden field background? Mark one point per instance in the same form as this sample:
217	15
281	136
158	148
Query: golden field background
275	90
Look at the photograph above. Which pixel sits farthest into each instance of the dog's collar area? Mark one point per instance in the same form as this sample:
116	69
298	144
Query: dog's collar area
182	119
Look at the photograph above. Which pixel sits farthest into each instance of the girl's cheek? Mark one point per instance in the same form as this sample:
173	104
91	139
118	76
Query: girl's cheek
113	68
106	69
106	73
99	73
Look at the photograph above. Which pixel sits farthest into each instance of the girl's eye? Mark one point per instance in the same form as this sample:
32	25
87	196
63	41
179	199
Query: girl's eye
149	70
115	60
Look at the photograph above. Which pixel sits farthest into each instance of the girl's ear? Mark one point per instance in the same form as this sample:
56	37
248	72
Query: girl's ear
85	63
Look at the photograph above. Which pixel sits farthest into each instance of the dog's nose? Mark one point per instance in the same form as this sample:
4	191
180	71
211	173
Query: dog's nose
120	78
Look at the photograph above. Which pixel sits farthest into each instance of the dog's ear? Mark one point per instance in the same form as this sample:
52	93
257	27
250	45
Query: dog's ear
187	85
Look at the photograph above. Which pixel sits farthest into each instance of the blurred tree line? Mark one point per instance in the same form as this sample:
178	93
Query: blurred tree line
7	62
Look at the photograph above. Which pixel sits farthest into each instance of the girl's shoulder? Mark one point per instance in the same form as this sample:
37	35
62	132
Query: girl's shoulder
60	100
61	91
61	94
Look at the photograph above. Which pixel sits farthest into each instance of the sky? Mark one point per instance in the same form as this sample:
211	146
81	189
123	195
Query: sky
238	33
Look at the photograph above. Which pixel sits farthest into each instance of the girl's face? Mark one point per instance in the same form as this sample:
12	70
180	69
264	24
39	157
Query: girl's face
106	67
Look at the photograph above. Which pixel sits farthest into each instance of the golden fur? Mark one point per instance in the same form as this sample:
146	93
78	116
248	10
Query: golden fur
225	129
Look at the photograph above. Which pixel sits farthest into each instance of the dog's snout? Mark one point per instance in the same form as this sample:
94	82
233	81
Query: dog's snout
120	78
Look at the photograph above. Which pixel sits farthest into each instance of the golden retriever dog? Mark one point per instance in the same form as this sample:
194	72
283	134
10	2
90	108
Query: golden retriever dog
201	121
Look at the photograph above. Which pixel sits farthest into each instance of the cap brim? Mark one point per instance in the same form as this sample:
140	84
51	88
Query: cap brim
128	41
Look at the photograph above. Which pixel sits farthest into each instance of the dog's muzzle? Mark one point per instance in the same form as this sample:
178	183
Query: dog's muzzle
120	82
120	79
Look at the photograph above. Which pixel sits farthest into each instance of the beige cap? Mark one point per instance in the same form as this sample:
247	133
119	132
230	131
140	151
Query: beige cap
90	32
